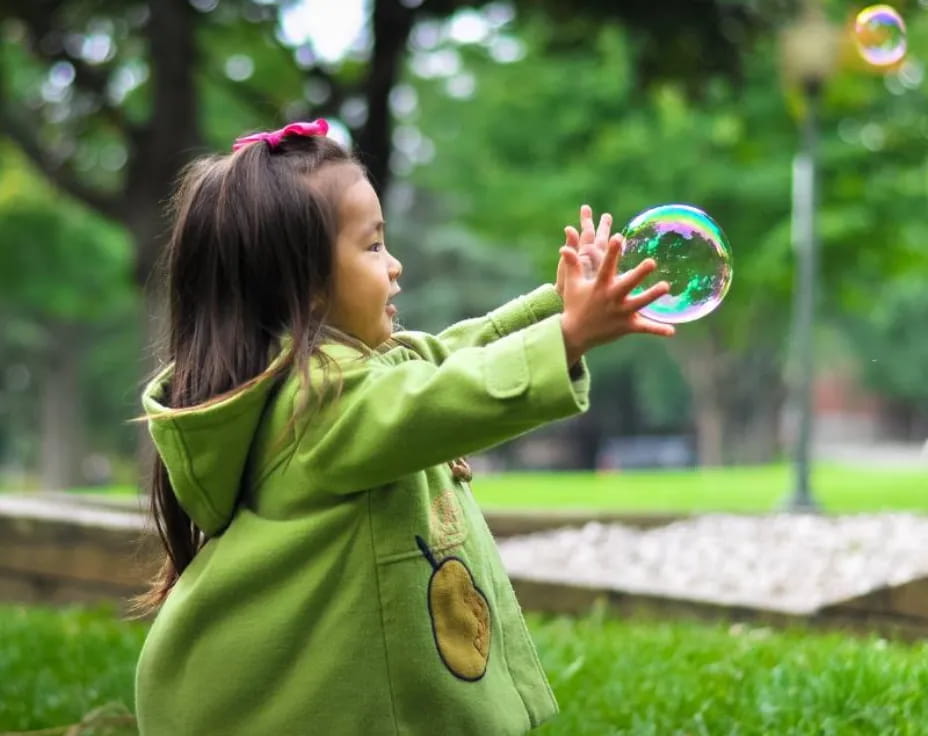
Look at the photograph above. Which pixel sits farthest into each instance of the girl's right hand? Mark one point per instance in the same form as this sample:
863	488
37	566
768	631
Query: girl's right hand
599	310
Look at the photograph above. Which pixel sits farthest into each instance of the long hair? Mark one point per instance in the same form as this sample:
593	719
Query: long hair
249	260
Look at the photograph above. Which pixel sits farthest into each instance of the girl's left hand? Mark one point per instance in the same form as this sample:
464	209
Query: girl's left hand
590	244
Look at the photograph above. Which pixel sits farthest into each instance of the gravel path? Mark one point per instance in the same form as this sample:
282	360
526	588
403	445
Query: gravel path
782	562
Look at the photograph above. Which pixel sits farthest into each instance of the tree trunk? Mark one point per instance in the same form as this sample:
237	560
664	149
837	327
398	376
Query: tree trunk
392	22
153	319
754	396
710	432
702	363
586	435
62	439
737	399
167	142
757	441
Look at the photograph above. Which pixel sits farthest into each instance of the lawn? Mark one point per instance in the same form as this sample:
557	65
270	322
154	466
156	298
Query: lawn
610	676
747	489
57	665
840	489
622	677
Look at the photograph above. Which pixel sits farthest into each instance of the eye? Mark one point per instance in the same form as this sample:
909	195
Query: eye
376	247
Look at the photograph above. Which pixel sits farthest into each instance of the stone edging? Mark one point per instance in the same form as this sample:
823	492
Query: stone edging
58	549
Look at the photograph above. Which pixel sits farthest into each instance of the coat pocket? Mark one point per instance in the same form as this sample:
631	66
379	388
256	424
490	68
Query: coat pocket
506	372
444	645
460	616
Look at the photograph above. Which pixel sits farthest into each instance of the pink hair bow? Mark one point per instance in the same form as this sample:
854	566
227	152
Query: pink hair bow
273	138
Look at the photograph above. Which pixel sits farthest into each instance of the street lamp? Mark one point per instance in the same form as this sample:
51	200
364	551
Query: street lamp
809	50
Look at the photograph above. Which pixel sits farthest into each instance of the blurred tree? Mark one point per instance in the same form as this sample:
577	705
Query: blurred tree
63	285
894	353
109	99
582	129
586	133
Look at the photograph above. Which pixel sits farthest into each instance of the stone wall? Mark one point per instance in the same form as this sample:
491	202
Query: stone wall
60	549
57	550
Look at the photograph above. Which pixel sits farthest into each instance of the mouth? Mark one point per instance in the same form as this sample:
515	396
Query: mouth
391	308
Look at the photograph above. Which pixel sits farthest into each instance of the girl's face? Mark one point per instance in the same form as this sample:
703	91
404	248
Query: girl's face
365	274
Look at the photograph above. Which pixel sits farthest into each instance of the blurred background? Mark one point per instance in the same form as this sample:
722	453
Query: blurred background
485	126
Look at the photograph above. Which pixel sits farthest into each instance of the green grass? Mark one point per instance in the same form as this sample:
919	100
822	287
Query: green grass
747	489
620	677
764	488
121	490
610	676
58	665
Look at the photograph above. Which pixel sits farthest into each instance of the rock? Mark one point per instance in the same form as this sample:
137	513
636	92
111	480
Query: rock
782	562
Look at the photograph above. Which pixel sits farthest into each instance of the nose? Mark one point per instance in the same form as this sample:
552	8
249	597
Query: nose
395	268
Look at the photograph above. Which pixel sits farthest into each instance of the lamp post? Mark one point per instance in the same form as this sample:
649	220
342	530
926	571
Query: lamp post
808	52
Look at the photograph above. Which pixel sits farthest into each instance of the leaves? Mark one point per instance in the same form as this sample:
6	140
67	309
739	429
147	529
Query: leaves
565	125
57	264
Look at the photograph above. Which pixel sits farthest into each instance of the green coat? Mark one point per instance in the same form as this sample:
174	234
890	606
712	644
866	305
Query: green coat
353	587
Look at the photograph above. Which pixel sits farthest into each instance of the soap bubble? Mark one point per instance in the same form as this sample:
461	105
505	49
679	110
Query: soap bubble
692	255
880	35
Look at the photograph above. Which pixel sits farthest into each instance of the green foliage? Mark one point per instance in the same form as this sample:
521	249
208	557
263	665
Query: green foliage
577	119
891	339
637	386
874	148
567	124
583	129
230	108
65	270
57	263
436	265
580	130
58	665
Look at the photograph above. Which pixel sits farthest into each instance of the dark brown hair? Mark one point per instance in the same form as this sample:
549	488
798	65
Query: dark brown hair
249	261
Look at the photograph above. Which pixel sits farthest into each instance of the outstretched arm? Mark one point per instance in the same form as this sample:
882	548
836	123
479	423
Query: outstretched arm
513	316
398	413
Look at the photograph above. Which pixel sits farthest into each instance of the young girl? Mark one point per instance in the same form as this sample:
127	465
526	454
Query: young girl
328	570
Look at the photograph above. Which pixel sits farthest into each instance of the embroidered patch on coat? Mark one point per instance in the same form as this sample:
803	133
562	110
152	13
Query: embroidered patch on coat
460	616
446	521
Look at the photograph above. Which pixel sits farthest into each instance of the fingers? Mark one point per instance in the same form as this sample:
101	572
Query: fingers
621	239
571	260
636	302
644	326
572	237
625	283
602	232
610	261
587	231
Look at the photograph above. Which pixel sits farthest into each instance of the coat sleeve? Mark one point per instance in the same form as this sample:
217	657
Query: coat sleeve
515	315
394	419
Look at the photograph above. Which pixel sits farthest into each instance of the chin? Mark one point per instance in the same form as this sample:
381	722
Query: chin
380	339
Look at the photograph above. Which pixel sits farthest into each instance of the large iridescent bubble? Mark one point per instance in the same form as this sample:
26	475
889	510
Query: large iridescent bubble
880	35
692	255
